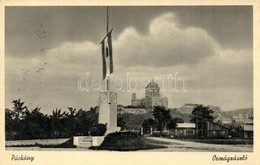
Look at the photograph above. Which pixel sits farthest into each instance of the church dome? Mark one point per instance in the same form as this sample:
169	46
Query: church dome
152	85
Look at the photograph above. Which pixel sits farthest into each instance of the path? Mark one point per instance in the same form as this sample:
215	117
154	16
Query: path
180	146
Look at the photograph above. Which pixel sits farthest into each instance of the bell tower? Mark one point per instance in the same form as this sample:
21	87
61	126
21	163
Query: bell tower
133	99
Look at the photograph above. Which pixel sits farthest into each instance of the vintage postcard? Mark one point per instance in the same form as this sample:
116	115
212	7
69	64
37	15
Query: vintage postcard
128	83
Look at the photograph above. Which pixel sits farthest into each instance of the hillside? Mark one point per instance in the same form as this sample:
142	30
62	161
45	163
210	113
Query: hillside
185	111
244	112
134	121
177	113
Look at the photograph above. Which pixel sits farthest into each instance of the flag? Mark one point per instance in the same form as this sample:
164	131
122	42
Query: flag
107	57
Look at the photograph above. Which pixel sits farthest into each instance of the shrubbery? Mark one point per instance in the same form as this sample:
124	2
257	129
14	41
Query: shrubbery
98	130
125	141
24	123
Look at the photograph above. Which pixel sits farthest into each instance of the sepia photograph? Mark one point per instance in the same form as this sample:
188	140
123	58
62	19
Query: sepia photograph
129	79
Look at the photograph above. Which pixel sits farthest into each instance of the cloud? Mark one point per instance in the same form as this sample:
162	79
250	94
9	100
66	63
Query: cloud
49	80
209	70
229	68
166	44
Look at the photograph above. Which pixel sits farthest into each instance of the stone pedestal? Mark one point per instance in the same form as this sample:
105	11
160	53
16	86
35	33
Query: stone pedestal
97	140
108	111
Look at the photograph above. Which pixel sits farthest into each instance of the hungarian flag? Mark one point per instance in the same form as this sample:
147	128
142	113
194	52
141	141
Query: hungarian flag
107	56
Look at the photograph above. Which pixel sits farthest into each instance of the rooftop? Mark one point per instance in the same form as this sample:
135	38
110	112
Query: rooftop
185	125
248	128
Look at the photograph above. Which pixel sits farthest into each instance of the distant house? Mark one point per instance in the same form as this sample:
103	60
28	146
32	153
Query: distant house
248	121
131	110
248	131
239	118
184	130
223	120
215	130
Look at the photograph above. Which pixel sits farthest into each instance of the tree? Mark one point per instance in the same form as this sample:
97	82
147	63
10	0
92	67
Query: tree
9	125
58	122
172	123
148	124
200	115
161	116
71	122
35	124
236	129
85	120
202	112
19	111
178	120
98	129
132	121
121	122
22	123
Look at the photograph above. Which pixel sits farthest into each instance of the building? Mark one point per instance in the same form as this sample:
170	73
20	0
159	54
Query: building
248	131
131	110
152	97
215	130
185	130
239	118
223	120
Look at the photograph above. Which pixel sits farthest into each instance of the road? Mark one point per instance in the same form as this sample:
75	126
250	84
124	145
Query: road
173	145
183	146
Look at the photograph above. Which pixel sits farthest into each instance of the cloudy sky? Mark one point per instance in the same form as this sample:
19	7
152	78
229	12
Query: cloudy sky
49	49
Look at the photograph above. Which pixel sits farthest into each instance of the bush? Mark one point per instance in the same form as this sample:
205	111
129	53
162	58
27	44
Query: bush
125	141
98	130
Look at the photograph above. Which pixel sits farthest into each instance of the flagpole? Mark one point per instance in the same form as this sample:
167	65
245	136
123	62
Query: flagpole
107	20
108	73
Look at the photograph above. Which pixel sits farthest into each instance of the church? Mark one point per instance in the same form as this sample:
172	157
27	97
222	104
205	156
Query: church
152	97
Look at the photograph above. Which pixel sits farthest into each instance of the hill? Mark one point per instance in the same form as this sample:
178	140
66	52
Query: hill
245	112
185	111
176	113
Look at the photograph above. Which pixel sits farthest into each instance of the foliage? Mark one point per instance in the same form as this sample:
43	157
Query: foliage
172	123
98	130
236	129
178	120
131	121
121	122
200	115
125	141
161	116
149	123
22	123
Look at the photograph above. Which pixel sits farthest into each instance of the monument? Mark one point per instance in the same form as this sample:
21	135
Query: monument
108	98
